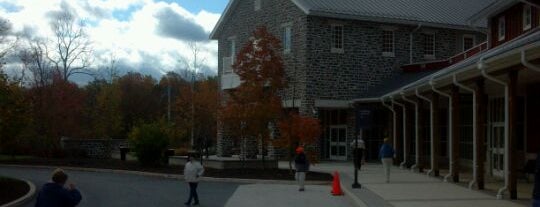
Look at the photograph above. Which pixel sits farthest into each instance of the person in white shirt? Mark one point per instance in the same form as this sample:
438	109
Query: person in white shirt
192	173
358	151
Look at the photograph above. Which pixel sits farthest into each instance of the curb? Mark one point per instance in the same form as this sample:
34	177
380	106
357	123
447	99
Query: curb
352	197
172	176
26	198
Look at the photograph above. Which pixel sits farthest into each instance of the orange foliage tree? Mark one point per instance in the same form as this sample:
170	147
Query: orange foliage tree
297	130
251	108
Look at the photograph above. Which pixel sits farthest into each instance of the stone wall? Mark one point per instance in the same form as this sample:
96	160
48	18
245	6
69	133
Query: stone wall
93	148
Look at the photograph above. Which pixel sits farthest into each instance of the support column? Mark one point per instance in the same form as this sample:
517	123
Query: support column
455	134
399	135
407	134
512	104
420	145
481	109
436	129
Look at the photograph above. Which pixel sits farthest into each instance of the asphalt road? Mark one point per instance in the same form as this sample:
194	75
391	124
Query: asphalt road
111	190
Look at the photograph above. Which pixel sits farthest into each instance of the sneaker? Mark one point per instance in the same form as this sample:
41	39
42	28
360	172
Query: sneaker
196	204
301	189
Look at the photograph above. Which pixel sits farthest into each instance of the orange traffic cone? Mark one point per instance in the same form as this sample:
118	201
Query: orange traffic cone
336	185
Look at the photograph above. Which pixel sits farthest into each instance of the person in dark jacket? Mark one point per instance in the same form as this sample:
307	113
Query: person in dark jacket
54	194
536	191
386	154
301	164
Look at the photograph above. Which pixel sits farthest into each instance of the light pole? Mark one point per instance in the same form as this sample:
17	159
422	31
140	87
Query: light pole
356	152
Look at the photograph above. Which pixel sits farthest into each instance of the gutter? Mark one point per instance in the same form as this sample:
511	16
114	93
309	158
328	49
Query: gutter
450	125
402	164
417	144
526	63
475	128
431	108
482	68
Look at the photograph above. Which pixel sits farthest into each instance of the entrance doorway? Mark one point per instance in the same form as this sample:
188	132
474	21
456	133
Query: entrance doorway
338	142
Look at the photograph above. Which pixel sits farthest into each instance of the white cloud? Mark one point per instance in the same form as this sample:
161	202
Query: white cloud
136	40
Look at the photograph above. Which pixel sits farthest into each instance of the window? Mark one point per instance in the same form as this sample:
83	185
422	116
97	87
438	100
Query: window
468	42
502	28
527	17
287	39
257	5
388	43
429	46
337	38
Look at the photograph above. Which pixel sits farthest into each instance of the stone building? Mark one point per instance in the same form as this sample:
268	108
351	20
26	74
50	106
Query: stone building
341	51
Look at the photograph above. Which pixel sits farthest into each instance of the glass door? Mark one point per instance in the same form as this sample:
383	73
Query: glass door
338	142
496	136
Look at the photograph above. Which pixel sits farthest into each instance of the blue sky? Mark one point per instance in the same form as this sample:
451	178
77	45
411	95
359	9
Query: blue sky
149	36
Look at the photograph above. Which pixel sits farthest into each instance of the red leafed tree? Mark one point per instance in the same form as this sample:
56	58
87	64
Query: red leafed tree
251	108
297	130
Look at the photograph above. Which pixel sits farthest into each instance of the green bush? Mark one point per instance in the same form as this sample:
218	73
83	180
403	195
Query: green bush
149	142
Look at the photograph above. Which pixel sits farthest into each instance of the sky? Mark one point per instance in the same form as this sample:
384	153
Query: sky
147	36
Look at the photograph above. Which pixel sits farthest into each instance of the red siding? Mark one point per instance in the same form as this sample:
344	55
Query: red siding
514	23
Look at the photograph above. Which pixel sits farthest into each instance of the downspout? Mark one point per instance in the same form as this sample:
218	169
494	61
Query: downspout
402	164
482	68
411	43
450	126
417	145
431	129
391	108
475	140
528	64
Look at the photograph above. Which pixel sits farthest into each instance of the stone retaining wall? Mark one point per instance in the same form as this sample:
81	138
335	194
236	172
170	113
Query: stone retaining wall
93	148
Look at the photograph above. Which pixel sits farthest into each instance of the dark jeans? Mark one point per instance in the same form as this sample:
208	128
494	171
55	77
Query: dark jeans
193	192
358	156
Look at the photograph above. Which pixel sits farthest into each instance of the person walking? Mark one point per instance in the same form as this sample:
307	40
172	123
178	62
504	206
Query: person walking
386	154
358	151
192	173
54	194
301	164
536	191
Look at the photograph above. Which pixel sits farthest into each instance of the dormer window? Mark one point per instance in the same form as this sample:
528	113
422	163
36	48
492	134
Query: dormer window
257	4
527	17
502	28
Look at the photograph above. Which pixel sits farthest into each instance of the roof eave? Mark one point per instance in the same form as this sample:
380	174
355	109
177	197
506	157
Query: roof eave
215	32
394	20
491	10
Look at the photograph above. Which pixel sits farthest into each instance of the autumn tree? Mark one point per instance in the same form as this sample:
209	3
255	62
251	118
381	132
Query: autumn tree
14	115
251	108
297	130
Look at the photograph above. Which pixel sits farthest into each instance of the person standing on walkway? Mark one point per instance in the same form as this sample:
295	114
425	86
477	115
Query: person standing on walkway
54	194
536	191
358	151
192	173
386	154
301	164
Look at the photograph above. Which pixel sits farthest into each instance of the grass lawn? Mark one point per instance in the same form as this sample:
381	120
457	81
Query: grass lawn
11	189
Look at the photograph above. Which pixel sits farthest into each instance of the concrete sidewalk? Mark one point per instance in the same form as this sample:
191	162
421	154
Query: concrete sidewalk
408	189
269	195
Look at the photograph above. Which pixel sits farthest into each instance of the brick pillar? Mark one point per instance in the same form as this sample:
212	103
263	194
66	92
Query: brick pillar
421	137
455	133
512	102
436	143
481	109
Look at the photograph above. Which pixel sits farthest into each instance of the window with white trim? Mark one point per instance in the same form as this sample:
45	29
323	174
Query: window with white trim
527	17
388	43
468	42
287	39
257	4
502	28
337	38
429	45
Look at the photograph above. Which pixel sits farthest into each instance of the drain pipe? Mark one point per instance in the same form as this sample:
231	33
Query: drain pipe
450	125
417	145
431	129
475	140
528	64
391	108
402	164
482	68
